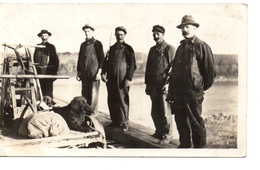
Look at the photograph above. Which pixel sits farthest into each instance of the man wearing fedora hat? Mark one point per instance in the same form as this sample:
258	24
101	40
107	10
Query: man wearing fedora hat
47	62
158	64
117	72
90	61
193	72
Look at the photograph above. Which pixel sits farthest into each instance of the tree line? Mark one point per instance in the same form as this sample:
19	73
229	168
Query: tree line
226	64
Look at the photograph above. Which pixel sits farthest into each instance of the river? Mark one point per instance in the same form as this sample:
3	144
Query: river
222	97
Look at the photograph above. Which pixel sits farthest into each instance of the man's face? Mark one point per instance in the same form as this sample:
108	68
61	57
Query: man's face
88	33
44	37
120	35
158	36
188	31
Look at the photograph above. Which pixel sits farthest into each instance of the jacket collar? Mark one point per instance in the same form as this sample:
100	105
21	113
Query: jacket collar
90	41
44	43
190	40
118	44
161	44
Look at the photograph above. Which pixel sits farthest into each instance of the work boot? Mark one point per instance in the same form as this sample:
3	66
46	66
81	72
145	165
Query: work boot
125	127
164	141
157	135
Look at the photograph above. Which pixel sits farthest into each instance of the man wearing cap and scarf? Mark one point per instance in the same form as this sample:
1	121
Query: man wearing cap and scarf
90	61
47	62
117	72
158	63
193	72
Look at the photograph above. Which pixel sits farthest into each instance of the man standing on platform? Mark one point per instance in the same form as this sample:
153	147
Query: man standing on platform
117	72
47	63
193	72
90	61
157	67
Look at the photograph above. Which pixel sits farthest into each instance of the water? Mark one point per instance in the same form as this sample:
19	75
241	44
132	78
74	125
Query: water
222	97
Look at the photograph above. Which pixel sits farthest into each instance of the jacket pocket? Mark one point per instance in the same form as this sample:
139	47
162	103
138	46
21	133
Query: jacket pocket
197	81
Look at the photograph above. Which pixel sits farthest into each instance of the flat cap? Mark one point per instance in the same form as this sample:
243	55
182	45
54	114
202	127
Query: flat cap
121	28
88	26
158	28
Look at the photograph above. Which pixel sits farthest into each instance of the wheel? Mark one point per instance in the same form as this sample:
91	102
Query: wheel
95	125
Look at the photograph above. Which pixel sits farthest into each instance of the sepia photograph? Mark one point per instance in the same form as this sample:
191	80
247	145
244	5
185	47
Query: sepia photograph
123	79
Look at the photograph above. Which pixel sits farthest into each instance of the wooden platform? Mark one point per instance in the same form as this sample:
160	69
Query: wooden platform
137	136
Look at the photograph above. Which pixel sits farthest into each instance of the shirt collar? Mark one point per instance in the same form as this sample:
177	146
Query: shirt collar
159	45
118	44
90	41
190	40
45	43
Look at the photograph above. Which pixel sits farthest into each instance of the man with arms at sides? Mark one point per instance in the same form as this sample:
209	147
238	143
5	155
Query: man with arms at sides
158	64
47	63
90	61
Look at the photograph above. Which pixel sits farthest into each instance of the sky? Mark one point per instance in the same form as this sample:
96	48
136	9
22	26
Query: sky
222	26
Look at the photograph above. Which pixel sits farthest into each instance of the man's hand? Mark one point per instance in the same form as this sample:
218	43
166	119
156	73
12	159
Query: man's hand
98	75
104	78
165	88
78	76
127	83
148	90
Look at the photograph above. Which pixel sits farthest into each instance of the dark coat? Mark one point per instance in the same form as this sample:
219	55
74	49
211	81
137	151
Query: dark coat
96	55
158	63
193	66
46	59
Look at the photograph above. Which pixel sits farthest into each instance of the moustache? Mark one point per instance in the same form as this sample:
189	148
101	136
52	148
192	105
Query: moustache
184	33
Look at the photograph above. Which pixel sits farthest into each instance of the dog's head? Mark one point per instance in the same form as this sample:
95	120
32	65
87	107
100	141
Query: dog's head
80	104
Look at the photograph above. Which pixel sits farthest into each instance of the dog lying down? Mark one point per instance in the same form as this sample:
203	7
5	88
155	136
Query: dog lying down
75	114
57	121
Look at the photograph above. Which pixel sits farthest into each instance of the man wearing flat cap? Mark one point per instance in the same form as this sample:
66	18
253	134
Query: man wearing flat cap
193	72
158	63
90	61
117	72
47	62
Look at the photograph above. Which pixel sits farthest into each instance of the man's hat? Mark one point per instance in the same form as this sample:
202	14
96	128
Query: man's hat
88	26
188	19
159	29
44	32
121	28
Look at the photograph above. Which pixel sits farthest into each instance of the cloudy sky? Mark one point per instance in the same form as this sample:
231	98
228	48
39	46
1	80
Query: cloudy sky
222	26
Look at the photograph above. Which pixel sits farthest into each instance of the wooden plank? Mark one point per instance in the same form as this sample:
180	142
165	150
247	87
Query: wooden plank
137	136
20	141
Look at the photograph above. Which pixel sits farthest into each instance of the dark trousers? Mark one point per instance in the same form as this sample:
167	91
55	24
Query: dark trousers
118	103
47	87
90	90
187	108
161	114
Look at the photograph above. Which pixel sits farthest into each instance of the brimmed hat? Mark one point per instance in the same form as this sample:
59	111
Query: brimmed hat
121	28
188	19
88	26
159	28
44	32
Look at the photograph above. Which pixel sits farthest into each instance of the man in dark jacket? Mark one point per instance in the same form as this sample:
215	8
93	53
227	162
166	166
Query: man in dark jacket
193	72
117	72
90	61
158	64
47	62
